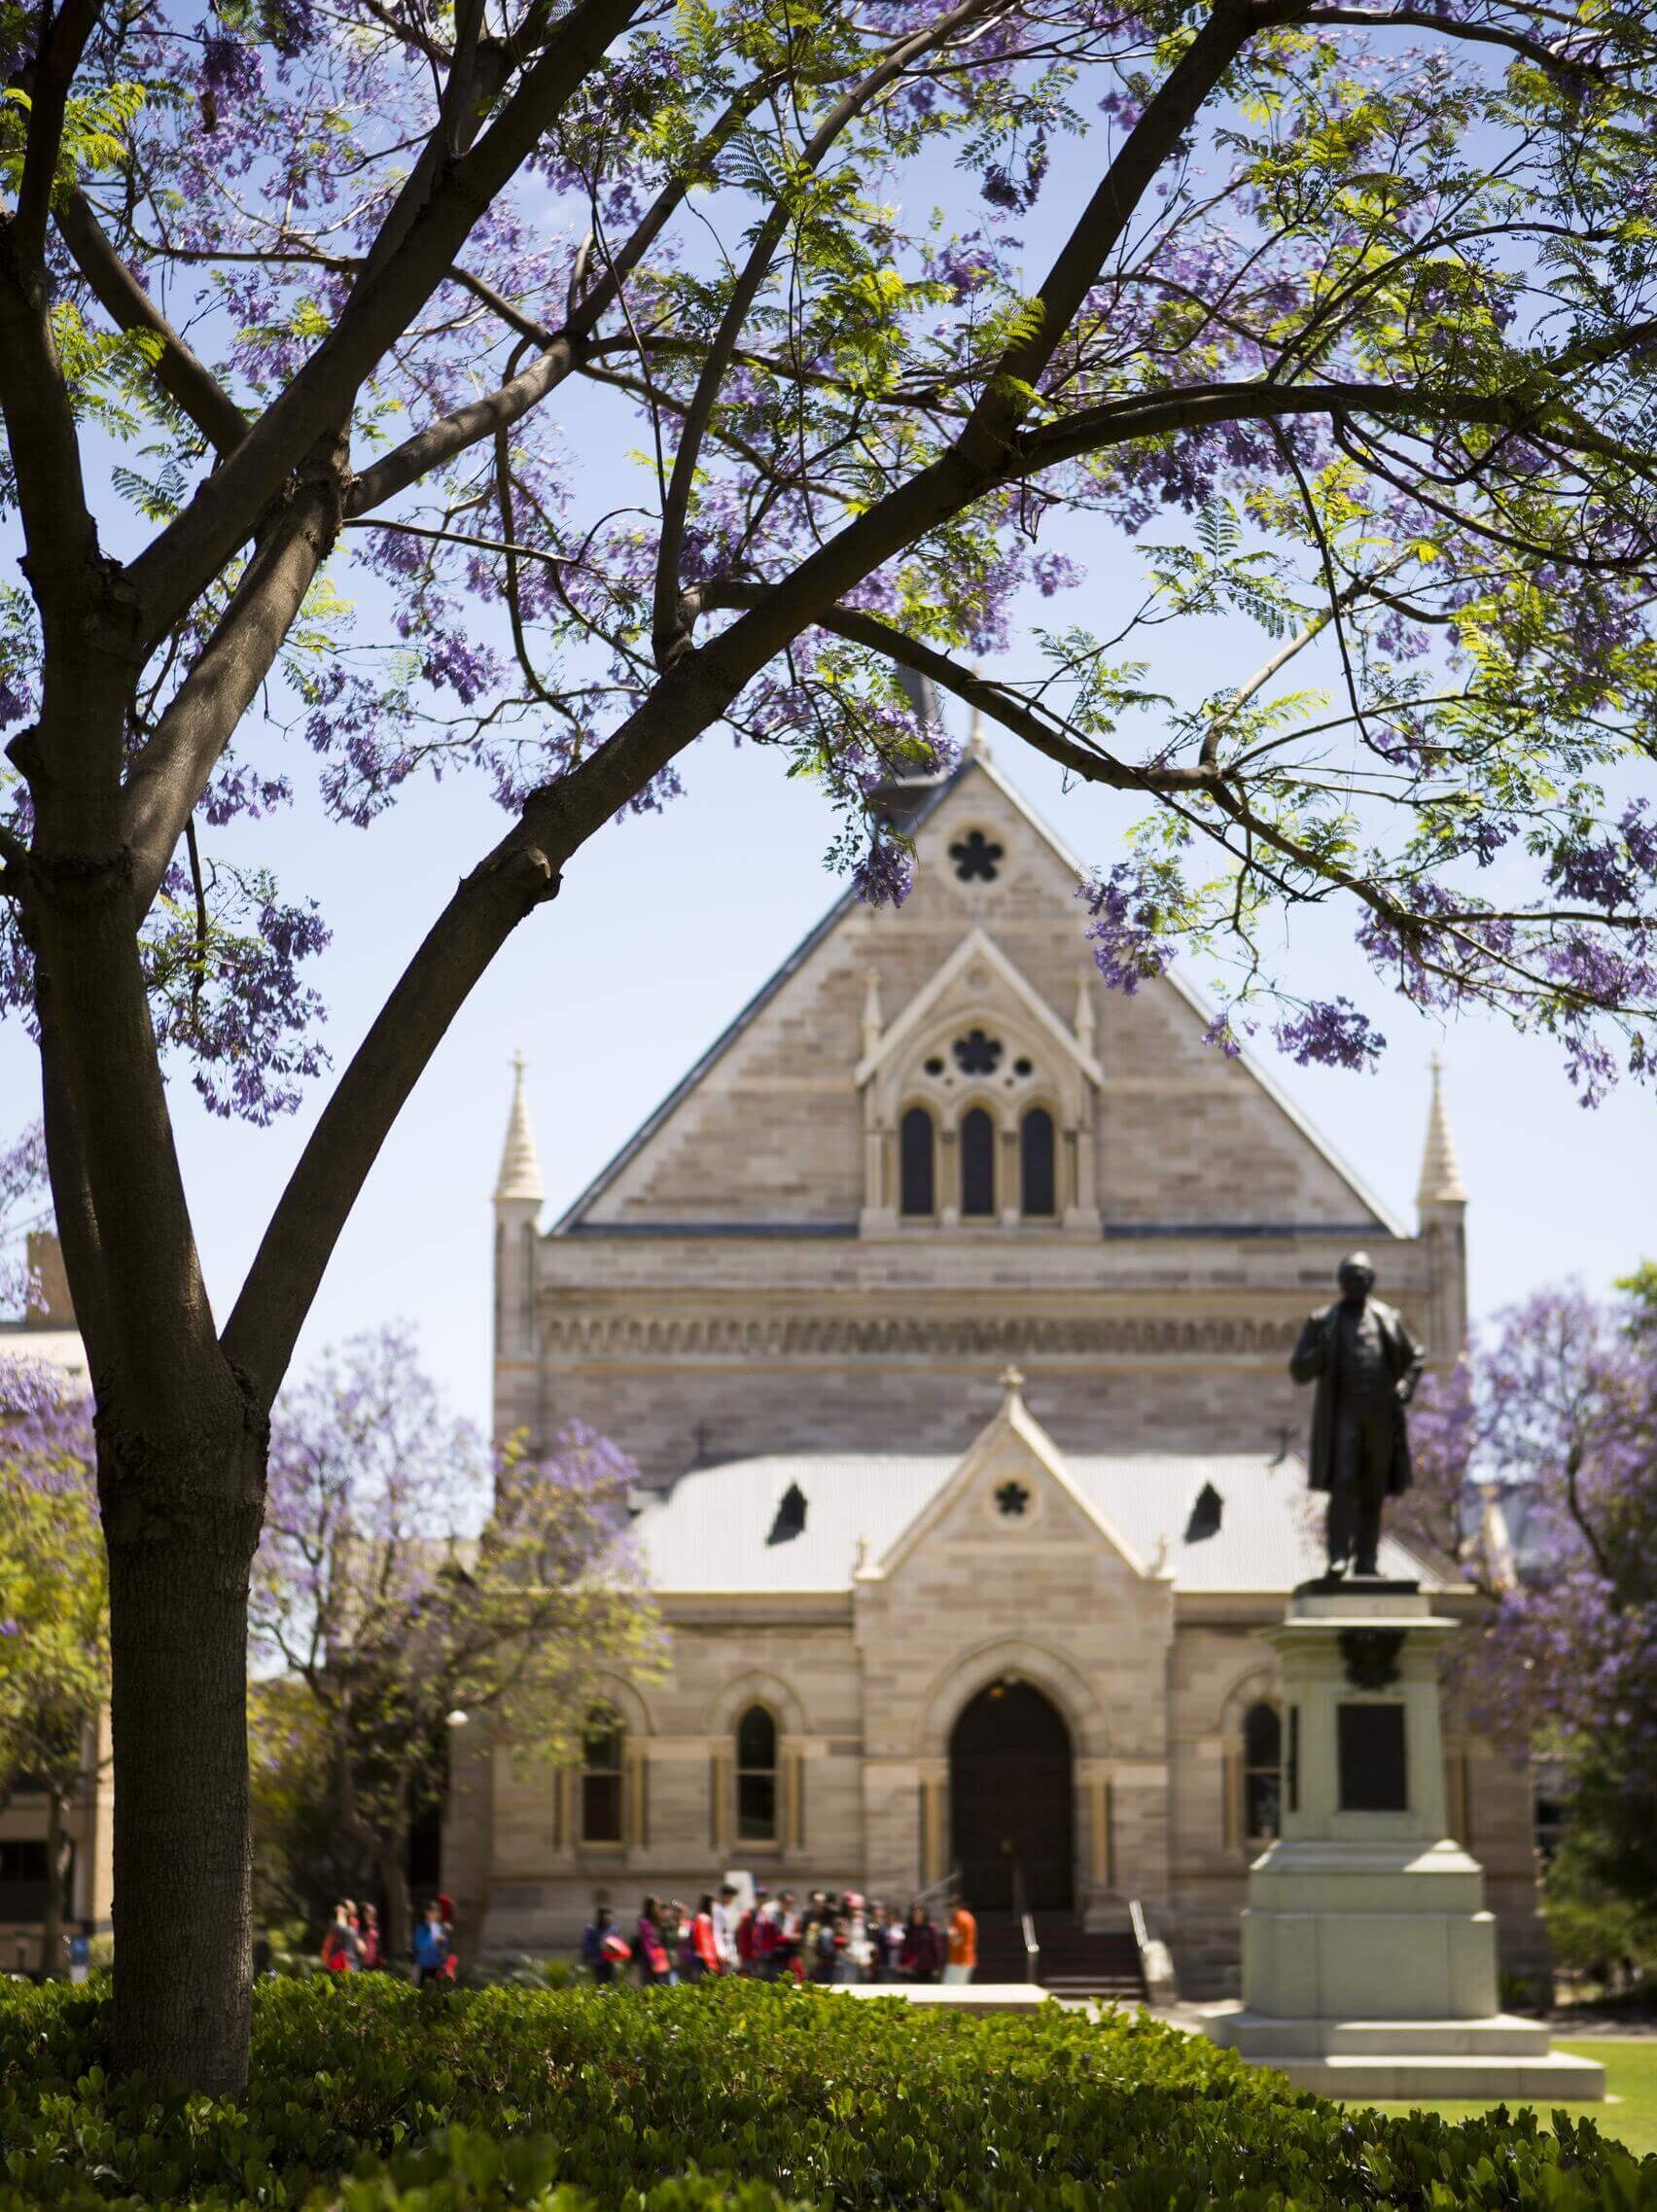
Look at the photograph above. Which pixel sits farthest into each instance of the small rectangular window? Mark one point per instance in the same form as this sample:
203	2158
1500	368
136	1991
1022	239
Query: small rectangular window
604	1805
601	1808
22	1858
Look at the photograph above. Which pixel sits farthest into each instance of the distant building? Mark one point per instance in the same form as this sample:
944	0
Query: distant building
930	1618
47	1334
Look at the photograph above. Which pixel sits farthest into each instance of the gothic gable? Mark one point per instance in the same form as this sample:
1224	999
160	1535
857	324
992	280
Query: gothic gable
977	993
1011	1493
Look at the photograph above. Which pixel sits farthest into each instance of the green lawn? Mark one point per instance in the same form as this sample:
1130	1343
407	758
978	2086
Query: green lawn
1628	2113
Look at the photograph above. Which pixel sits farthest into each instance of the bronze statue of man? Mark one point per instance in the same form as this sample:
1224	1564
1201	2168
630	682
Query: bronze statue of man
1366	1365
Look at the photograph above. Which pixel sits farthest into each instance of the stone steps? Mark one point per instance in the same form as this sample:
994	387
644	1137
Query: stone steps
1073	1963
1501	2036
1501	2056
1557	2079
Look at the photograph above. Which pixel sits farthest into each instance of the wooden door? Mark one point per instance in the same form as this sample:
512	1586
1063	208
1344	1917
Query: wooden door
1012	1799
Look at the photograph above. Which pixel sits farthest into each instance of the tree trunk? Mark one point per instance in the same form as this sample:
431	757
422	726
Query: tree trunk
52	1918
398	1926
181	1543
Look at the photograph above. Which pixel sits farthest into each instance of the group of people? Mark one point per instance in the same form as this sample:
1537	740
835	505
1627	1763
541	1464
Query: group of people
352	1944
831	1938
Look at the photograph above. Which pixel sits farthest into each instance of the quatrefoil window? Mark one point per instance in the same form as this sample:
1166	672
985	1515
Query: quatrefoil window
1012	1500
976	858
977	1054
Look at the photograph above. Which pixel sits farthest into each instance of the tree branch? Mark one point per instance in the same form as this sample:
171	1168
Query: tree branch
508	549
1449	26
441	440
1200	406
227	509
667	637
1306	635
165	782
994	699
521	873
1080	262
59	531
452	434
184	377
49	85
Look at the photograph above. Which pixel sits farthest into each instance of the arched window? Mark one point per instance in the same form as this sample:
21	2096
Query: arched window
1262	1772
977	1165
601	1779
757	1776
916	1153
1038	1199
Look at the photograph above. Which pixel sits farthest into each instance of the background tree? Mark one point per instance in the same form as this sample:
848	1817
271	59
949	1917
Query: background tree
302	1864
1552	1419
1355	302
53	1609
1569	1416
371	1592
23	1205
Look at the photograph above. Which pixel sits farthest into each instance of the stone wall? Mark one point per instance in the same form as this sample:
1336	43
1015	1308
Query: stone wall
799	1662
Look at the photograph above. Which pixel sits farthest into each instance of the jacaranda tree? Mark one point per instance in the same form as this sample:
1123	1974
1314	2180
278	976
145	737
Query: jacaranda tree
1552	1419
1568	1413
326	318
23	1205
410	1579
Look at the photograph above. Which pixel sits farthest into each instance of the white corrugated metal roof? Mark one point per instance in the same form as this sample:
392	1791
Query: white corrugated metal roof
51	1347
710	1533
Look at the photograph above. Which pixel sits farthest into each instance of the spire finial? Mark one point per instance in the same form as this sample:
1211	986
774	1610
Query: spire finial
1441	1181
519	1180
1012	1381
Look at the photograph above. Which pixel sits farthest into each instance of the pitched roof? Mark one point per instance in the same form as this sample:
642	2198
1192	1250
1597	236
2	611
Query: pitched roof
709	1533
977	761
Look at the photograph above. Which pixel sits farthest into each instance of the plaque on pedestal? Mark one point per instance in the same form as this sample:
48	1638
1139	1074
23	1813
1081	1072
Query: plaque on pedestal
1368	1952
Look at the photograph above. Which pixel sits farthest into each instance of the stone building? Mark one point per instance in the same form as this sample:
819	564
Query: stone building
47	1337
946	1305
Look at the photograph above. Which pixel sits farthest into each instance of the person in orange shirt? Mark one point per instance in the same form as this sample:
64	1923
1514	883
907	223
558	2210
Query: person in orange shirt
963	1946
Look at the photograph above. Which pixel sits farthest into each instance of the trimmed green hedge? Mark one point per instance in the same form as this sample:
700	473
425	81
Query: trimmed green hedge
370	2096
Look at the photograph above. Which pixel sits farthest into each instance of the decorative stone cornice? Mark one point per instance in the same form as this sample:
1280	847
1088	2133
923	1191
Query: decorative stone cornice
739	1336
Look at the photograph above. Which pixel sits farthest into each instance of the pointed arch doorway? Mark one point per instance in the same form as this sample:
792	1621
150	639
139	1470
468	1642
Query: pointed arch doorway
1013	1799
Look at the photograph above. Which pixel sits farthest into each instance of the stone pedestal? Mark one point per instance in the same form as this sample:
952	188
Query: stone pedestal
1368	1954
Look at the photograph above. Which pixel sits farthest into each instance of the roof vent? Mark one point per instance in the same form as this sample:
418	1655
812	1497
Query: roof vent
791	1516
1206	1515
